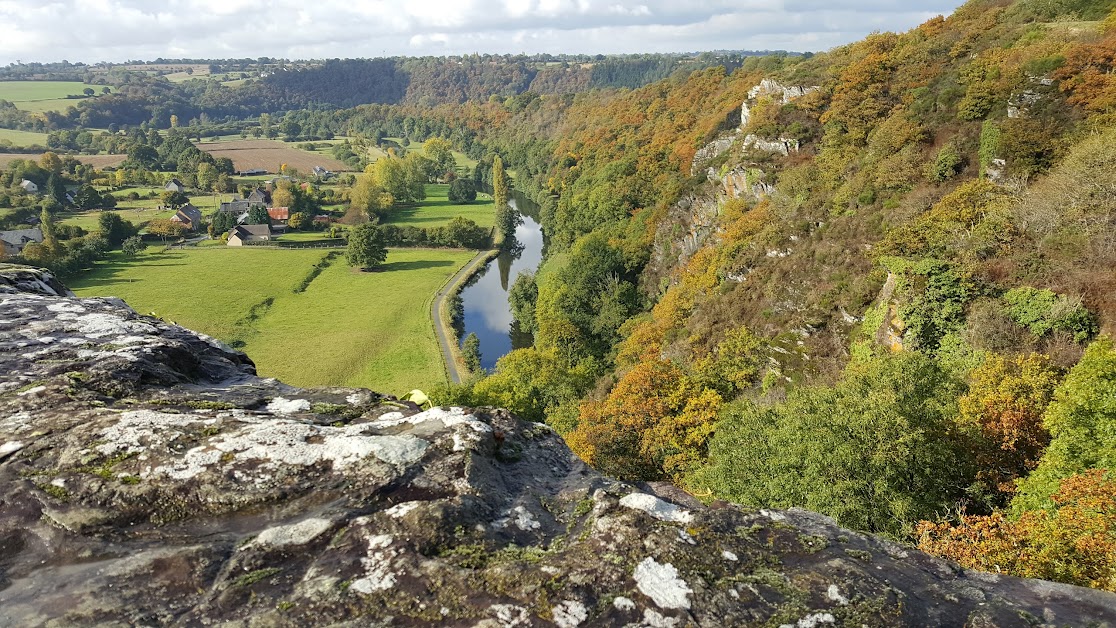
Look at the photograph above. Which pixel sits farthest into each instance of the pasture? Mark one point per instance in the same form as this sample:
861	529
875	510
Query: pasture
269	155
44	95
89	220
97	161
437	210
346	329
10	137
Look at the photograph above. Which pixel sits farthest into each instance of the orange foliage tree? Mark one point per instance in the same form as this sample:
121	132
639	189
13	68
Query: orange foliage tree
1005	403
655	423
1075	543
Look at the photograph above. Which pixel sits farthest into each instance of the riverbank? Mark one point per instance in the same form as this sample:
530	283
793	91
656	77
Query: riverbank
452	357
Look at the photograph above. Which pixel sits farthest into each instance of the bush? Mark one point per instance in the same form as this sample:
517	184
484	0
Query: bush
1043	312
878	452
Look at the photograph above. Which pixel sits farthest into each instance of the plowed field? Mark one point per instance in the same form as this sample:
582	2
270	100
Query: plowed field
269	155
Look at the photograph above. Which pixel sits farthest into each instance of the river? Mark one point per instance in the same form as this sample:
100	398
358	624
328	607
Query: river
485	296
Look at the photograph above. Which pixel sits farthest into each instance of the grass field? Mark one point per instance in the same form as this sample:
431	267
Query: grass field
269	155
89	220
347	329
437	210
22	138
97	161
43	95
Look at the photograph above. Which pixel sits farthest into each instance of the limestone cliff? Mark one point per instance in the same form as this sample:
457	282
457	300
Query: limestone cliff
149	477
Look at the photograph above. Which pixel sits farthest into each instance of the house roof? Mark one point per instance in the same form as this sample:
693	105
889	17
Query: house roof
189	214
250	230
235	207
279	213
19	237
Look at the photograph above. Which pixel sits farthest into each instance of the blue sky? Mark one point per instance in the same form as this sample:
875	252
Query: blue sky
119	30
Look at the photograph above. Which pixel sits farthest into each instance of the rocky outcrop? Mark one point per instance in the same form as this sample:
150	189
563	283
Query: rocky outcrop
149	477
1019	105
770	88
782	145
711	151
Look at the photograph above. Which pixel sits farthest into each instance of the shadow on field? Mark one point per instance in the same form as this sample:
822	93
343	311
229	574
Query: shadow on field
416	265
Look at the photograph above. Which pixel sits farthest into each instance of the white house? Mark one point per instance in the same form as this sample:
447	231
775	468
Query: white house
29	186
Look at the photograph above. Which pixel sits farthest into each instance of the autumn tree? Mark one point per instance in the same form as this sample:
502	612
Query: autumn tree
369	197
655	424
1074	541
166	229
1005	404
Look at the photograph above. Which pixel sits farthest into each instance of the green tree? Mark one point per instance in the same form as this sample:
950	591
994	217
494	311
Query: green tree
878	452
114	229
1082	425
133	246
207	176
257	215
55	189
470	349
50	245
507	219
366	247
174	200
522	297
462	191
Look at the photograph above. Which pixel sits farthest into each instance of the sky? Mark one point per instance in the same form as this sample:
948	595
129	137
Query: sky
91	31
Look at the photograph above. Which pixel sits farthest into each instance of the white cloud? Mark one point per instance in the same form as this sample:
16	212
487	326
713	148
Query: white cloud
118	30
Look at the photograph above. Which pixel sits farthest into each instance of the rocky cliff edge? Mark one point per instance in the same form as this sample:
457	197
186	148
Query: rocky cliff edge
149	477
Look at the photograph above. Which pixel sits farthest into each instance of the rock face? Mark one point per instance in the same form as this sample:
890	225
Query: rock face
148	477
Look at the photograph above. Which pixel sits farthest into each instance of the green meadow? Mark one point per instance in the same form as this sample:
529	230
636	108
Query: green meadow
22	138
347	328
44	95
437	210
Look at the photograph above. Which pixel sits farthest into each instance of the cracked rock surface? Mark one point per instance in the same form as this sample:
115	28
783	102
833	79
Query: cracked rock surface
149	477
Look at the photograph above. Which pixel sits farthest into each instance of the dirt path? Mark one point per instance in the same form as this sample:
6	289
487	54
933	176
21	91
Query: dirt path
440	328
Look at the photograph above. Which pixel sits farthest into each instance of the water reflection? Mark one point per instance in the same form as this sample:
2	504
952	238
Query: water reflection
485	299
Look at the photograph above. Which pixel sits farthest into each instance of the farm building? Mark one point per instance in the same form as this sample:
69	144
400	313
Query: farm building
29	186
251	173
189	216
14	241
174	185
278	215
240	234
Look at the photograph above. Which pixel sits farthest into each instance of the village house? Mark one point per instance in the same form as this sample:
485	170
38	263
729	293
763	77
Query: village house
241	234
14	241
236	208
189	216
259	196
29	186
174	185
